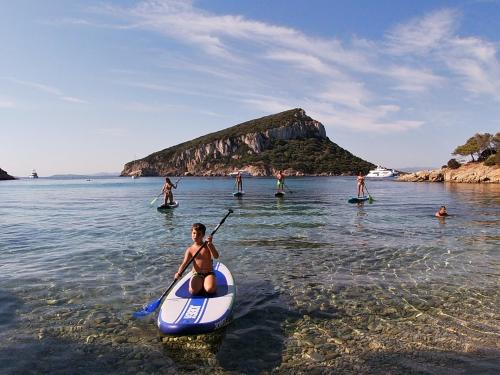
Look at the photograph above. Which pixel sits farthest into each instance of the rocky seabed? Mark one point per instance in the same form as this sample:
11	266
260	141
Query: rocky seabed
348	330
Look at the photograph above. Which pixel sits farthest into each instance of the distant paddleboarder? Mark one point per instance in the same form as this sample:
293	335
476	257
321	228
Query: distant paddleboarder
167	191
239	182
281	181
361	184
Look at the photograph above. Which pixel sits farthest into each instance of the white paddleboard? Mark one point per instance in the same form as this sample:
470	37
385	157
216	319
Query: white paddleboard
184	314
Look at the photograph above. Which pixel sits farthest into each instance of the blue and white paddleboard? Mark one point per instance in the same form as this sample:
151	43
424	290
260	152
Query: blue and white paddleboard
238	193
168	206
184	314
358	199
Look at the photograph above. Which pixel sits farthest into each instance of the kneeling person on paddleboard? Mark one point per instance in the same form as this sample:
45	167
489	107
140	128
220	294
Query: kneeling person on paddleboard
203	279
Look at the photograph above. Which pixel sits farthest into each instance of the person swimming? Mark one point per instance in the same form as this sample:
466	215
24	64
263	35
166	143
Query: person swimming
441	212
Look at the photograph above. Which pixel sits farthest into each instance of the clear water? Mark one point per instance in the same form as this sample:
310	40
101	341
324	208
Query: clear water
323	285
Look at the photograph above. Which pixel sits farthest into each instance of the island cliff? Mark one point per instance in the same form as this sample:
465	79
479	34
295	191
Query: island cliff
289	141
5	176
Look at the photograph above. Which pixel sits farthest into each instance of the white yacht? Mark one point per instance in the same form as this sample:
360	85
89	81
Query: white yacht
381	172
33	174
242	172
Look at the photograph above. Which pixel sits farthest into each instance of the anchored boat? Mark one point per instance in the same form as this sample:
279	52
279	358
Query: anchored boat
381	172
242	172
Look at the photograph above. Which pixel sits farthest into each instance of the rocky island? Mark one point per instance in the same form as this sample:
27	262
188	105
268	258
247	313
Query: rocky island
475	172
5	176
484	167
289	141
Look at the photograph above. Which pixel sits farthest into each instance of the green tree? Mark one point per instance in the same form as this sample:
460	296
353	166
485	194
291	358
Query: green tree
484	141
496	142
468	149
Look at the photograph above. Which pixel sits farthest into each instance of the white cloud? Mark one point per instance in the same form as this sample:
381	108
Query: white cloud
304	61
37	86
410	79
475	62
46	89
423	34
72	99
6	103
470	62
272	67
268	104
346	93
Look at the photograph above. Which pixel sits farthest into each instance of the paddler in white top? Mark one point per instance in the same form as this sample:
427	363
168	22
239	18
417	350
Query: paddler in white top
203	279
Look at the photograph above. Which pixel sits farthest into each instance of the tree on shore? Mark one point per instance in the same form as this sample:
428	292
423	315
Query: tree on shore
479	145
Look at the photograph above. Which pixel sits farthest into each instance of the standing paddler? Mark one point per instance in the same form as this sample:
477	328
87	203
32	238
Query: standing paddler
281	181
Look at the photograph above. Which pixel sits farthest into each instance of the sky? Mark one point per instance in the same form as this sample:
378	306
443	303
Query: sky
86	86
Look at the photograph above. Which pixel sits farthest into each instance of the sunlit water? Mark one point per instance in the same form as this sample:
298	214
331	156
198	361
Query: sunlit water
323	285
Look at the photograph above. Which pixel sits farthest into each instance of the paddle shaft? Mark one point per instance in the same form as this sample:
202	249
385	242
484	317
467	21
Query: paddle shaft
367	190
194	256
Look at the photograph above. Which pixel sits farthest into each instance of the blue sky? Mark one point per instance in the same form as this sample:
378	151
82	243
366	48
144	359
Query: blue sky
86	86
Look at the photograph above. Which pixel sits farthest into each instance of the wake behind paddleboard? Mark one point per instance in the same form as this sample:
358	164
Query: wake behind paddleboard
184	314
358	199
168	206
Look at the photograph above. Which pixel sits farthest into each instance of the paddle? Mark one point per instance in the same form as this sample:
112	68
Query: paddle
291	192
154	200
161	192
370	198
153	305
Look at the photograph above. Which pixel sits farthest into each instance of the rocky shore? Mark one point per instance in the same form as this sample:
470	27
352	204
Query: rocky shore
5	176
468	173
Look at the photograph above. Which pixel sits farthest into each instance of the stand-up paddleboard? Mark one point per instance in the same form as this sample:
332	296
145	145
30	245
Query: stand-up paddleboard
279	194
184	314
238	193
168	206
358	199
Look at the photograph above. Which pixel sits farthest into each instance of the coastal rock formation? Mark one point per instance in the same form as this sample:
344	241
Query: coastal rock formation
5	176
468	173
290	141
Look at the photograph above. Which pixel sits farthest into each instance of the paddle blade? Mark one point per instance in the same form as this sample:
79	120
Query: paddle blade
370	199
147	309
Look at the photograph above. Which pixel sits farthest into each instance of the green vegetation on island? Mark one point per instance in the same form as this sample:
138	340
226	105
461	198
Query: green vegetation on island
289	140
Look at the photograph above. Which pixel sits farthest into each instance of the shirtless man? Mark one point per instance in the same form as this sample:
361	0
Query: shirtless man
203	276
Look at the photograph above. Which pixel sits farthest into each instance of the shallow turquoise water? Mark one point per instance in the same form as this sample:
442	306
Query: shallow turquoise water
89	253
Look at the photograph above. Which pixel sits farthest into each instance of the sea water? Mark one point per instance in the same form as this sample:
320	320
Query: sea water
322	285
